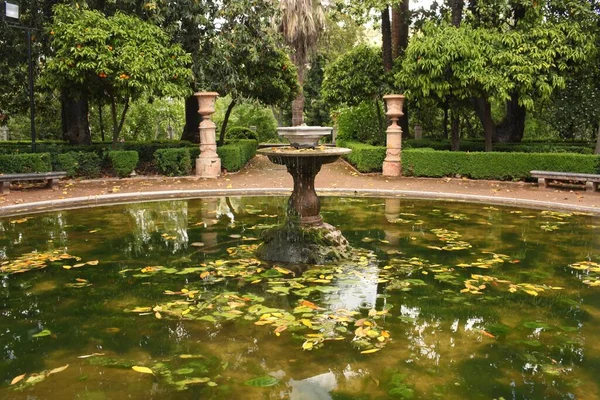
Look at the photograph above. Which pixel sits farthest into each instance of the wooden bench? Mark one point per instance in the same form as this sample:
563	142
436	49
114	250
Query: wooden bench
51	177
590	180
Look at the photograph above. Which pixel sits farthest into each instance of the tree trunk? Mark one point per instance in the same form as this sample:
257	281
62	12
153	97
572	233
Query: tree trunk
379	119
100	120
455	122
512	126
75	123
225	121
597	151
483	109
446	119
298	102
386	39
191	130
456	7
396	25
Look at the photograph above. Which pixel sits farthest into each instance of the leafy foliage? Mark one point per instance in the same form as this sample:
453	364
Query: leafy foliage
361	123
117	58
173	162
355	77
25	163
123	162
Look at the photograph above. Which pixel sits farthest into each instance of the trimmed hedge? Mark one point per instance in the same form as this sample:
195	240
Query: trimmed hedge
173	162
123	162
502	166
25	163
365	157
66	162
241	132
235	155
86	164
523	147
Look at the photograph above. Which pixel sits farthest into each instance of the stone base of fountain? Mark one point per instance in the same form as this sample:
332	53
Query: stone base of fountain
295	243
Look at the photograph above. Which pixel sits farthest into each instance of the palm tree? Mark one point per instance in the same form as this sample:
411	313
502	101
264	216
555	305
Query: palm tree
301	24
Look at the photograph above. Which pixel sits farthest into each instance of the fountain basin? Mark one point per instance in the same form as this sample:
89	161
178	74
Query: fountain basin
304	165
304	136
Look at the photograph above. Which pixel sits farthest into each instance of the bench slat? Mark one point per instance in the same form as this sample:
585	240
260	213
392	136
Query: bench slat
52	178
565	175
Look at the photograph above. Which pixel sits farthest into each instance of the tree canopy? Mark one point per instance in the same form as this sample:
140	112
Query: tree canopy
117	58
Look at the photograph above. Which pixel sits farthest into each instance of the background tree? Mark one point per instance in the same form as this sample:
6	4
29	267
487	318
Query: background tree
301	24
355	77
119	58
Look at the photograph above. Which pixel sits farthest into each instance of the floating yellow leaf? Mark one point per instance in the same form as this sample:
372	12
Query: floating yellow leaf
67	267
94	262
143	370
91	355
369	351
59	369
308	345
17	379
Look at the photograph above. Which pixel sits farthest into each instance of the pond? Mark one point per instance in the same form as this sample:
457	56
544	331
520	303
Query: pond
165	300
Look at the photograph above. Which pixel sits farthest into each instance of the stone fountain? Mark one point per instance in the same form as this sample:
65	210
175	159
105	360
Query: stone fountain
304	238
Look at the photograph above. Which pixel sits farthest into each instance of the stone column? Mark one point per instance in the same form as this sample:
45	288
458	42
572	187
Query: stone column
392	165
208	164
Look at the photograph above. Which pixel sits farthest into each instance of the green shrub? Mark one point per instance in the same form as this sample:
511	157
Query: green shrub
25	163
505	166
234	155
66	162
364	157
231	157
241	132
123	162
146	150
360	124
476	165
173	162
90	164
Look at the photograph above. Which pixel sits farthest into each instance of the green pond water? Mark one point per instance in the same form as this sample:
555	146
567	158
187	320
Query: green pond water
165	300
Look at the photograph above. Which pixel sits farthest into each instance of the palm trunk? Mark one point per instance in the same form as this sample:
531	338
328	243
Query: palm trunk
298	102
225	122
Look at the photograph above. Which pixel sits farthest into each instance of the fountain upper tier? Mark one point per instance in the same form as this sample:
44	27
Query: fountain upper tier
304	136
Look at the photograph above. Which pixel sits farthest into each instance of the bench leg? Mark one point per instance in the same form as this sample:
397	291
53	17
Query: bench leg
591	186
5	187
53	183
542	182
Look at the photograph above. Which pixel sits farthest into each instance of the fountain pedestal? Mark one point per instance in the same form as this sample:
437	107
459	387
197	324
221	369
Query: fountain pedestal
304	238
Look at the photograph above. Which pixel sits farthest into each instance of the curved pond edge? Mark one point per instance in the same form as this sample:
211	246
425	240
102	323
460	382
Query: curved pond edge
122	198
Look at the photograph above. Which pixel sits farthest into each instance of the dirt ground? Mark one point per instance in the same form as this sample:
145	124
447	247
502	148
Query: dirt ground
260	173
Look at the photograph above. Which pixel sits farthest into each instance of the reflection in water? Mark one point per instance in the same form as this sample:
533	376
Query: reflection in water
444	343
169	219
